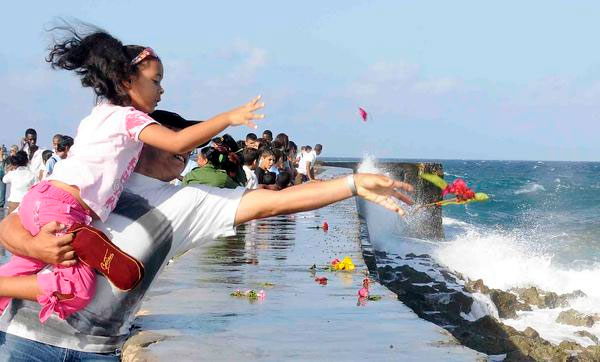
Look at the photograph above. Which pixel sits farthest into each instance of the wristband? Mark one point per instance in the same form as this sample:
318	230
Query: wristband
351	184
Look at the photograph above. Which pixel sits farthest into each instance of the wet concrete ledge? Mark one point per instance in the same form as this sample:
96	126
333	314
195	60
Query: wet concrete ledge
430	225
189	314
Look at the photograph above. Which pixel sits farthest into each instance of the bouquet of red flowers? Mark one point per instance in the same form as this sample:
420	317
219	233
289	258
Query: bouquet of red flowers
459	188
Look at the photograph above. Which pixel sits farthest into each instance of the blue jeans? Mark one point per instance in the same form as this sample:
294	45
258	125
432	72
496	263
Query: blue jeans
17	349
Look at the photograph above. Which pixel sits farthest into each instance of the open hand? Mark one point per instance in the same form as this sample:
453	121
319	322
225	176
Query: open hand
54	249
383	191
245	114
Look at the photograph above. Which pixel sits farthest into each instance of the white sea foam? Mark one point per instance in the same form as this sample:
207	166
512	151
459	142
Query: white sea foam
505	261
529	188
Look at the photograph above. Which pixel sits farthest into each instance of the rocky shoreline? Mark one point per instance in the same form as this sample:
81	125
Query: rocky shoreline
448	300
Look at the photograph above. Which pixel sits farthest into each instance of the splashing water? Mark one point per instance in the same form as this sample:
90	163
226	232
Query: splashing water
528	235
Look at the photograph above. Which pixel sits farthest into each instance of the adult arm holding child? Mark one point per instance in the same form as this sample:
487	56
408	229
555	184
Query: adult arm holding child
46	246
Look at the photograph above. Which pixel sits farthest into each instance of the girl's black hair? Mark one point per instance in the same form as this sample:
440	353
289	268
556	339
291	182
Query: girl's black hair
19	159
101	60
282	141
66	142
46	156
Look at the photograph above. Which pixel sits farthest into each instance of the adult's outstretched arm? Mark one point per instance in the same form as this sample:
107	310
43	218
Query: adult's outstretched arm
382	190
46	246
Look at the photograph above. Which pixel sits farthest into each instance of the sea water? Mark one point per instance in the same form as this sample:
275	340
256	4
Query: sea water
541	228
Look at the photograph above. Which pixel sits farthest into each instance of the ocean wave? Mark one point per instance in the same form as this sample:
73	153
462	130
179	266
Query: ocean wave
529	188
503	260
506	261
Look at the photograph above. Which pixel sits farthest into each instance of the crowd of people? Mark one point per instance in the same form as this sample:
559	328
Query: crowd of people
253	163
26	164
61	300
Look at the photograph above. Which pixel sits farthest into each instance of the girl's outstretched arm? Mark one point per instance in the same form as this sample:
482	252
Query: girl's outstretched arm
189	138
379	189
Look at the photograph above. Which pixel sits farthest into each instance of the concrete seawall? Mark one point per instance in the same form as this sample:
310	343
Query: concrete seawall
189	315
430	225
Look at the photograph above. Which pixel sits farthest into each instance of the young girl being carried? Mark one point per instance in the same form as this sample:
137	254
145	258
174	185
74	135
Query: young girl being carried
87	184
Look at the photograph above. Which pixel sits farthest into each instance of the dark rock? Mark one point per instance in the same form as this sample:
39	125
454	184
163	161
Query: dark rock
590	354
477	286
553	300
575	318
530	296
449	277
541	299
387	276
587	334
380	254
507	303
531	333
570	346
413	275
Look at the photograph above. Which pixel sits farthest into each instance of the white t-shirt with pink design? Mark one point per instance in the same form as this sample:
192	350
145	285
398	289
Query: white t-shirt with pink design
103	156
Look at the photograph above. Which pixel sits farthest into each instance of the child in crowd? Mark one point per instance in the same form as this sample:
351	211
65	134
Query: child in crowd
46	155
61	152
265	162
277	161
55	140
283	180
269	179
127	81
267	136
300	154
20	179
252	141
250	160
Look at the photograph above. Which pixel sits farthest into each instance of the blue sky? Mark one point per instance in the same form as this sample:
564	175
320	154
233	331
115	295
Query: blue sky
474	80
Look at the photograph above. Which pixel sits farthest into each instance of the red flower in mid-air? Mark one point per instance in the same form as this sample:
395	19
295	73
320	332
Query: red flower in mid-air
460	189
363	113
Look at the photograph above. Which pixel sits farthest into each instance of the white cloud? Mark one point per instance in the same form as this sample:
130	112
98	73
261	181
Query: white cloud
402	90
436	86
247	61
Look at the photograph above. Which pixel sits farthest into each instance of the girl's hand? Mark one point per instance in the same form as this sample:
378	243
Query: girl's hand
245	114
382	190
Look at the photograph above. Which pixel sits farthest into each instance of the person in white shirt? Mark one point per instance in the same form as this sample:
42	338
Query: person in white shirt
316	152
20	179
34	153
305	164
61	151
153	222
55	141
29	142
250	162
